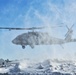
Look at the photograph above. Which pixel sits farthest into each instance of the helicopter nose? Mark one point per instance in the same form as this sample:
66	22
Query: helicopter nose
13	41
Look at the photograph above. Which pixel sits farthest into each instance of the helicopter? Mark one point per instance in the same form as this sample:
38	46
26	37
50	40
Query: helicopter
33	38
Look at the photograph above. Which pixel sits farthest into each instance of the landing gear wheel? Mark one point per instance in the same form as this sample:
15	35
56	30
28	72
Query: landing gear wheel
23	47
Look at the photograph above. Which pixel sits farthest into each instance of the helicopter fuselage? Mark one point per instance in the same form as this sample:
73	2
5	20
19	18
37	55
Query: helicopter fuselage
36	38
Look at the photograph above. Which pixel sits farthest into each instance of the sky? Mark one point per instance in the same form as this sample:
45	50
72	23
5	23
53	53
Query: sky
34	13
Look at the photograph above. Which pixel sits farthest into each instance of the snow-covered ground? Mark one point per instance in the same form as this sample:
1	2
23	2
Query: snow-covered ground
47	67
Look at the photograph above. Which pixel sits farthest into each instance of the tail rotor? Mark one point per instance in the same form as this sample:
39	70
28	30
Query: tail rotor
68	35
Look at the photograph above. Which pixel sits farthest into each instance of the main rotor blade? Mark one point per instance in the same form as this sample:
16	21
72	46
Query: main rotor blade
32	28
20	28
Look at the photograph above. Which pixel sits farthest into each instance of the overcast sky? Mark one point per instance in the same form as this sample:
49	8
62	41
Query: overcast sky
34	13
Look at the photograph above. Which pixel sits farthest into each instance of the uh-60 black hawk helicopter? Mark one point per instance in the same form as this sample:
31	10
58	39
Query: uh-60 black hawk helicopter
33	38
